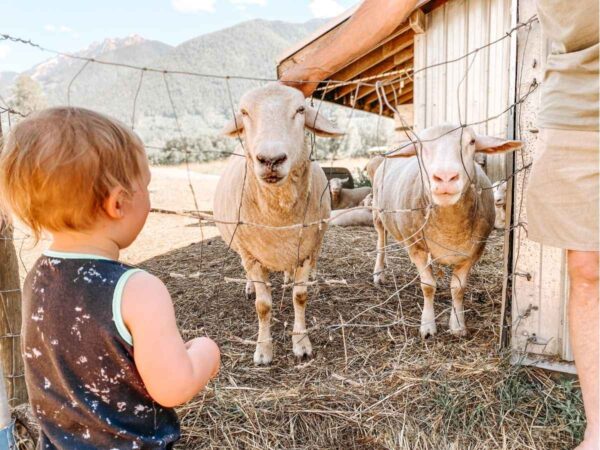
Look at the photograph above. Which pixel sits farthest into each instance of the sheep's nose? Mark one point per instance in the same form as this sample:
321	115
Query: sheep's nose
445	177
271	161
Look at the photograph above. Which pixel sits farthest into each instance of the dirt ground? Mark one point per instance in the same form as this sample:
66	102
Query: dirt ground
169	190
372	383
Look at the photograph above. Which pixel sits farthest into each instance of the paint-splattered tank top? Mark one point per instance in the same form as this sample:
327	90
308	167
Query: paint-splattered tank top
81	378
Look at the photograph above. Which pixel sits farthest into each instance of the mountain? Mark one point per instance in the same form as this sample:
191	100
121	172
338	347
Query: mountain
202	104
6	80
92	82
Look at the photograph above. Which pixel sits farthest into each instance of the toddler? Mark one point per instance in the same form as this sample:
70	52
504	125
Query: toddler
104	360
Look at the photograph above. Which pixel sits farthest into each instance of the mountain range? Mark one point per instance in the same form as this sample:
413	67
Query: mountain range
201	105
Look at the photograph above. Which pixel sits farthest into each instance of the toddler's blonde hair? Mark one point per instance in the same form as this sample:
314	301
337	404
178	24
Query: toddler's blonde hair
57	167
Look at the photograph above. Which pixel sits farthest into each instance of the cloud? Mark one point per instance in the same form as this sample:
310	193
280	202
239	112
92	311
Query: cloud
4	50
193	6
249	2
325	8
57	29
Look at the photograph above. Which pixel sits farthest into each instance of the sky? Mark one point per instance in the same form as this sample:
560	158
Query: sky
71	25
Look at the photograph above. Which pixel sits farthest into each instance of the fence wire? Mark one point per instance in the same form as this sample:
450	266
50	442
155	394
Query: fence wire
379	82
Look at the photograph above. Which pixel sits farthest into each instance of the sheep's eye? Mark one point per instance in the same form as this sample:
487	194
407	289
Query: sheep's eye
472	142
301	110
244	112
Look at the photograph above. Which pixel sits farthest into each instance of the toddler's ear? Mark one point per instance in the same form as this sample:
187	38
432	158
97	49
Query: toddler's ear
113	204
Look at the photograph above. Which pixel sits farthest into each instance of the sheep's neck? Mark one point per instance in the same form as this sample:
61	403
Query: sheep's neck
458	218
284	198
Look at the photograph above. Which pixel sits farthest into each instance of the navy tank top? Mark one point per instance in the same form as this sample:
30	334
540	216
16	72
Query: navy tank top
81	378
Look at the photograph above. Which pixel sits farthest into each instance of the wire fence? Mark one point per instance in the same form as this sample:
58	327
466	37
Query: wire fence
417	242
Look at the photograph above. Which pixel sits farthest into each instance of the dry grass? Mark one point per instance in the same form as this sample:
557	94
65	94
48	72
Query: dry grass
373	383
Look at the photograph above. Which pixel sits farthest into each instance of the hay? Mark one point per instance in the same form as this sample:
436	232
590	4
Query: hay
373	383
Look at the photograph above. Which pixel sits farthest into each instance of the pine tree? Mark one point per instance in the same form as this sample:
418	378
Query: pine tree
27	95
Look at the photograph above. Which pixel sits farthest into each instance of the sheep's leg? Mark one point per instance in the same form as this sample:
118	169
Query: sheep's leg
421	261
250	291
457	286
264	343
379	270
301	343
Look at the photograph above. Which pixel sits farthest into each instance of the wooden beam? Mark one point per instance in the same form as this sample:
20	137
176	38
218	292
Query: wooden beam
401	61
389	92
417	21
375	57
370	89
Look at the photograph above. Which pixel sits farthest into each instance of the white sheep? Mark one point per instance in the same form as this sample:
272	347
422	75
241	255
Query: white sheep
500	204
362	217
342	198
440	208
273	183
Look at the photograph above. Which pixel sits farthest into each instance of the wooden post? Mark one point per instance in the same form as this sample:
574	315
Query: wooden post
10	315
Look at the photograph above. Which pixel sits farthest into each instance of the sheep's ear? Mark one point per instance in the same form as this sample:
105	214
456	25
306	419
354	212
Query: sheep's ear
234	127
345	180
406	150
493	145
320	125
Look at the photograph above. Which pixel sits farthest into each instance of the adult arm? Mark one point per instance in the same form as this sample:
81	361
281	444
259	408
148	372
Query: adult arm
372	22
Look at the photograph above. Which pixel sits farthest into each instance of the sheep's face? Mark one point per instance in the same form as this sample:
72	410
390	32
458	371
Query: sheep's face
500	194
448	159
336	186
271	122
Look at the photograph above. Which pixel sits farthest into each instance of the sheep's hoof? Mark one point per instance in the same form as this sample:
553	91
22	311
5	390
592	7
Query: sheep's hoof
250	291
301	345
460	332
263	354
379	278
428	330
455	326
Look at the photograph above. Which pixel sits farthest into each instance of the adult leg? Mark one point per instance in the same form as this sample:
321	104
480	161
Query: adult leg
583	330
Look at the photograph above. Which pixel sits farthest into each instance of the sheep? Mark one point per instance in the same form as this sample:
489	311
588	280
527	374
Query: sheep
362	217
499	189
271	181
441	209
342	198
372	166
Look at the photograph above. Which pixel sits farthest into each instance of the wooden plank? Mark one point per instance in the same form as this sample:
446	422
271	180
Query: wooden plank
395	45
498	77
389	91
436	74
509	234
417	21
404	61
420	80
382	67
368	90
456	26
531	271
374	106
477	64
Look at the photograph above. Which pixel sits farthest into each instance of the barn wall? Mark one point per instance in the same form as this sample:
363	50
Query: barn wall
540	284
470	89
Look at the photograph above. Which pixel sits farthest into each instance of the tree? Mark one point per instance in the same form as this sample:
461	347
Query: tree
27	95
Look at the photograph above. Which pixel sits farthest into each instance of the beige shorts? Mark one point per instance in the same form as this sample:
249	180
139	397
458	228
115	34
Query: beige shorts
563	191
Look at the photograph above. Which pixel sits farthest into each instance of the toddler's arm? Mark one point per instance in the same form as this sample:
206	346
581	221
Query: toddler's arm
173	371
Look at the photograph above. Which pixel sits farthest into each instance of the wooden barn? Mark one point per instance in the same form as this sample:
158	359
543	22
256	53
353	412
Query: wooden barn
477	62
